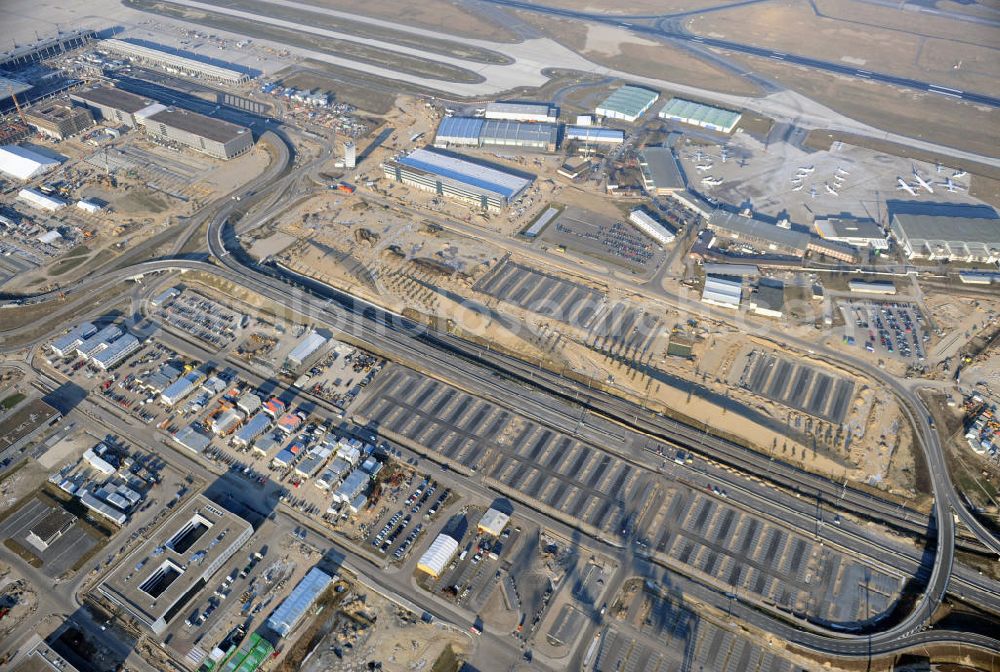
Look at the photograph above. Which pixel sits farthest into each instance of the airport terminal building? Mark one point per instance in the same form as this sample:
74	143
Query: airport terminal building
476	184
208	135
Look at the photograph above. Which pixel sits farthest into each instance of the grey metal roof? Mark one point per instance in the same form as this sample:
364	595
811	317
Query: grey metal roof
114	98
508	130
755	228
288	614
942	227
465	128
629	100
199	124
660	166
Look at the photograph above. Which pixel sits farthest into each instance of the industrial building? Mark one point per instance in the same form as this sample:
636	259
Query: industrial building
459	131
520	134
721	290
192	438
627	103
475	184
932	236
662	174
765	237
12	88
181	387
851	231
872	286
166	572
701	115
476	132
832	249
59	120
350	154
116	352
174	63
226	421
208	135
537	112
255	426
493	522
768	298
653	228
47	530
112	105
25	422
99	341
37	199
438	555
24	164
67	343
288	614
305	349
595	135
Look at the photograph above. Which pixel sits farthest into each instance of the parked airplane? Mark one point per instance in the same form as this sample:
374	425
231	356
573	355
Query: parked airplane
703	167
712	181
903	186
806	169
960	173
798	187
830	190
951	186
841	171
725	154
812	192
922	182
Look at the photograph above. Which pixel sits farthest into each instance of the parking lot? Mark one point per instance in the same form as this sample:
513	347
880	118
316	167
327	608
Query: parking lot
554	470
750	555
686	640
207	320
886	327
62	553
394	536
799	386
609	325
604	238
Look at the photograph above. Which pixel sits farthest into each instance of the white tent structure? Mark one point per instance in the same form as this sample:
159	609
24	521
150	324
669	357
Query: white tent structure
24	164
438	555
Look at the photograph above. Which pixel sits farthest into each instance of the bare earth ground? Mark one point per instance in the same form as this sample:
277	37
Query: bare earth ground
620	49
952	53
633	6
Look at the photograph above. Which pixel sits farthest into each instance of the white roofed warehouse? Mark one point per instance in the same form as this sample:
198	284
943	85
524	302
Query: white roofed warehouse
627	103
288	614
438	555
701	115
541	112
476	184
23	164
493	522
653	228
854	232
721	290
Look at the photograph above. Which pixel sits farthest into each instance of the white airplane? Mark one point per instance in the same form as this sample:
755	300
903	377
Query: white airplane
796	180
712	181
798	187
725	154
812	192
702	167
960	173
806	169
938	166
922	182
951	186
841	171
903	186
830	190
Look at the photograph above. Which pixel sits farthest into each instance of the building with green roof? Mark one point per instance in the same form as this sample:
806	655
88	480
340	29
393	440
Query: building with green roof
627	103
699	114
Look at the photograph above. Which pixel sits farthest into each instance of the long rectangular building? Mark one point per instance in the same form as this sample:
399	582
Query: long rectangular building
177	560
699	114
288	614
972	239
851	231
208	135
627	103
767	238
541	112
595	135
656	230
111	104
474	183
174	62
661	172
475	132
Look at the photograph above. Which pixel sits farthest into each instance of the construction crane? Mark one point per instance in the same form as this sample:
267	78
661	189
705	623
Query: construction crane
17	105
